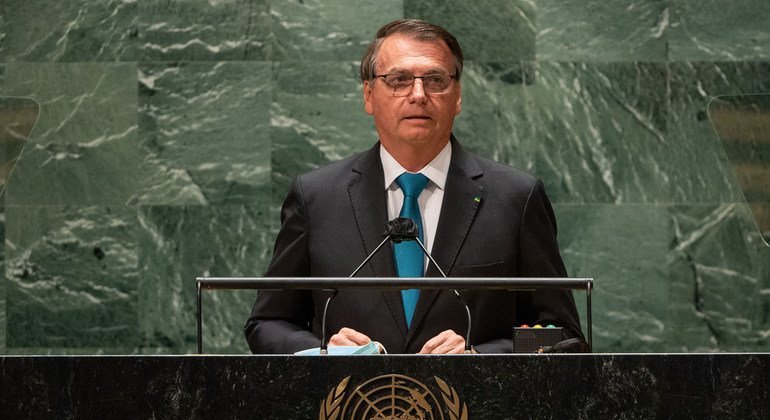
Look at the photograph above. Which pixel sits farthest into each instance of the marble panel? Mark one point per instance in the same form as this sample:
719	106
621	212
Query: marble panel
203	30
489	30
602	30
328	30
205	126
180	243
71	277
317	117
69	30
493	118
716	31
704	173
718	265
84	148
3	32
695	280
597	131
630	299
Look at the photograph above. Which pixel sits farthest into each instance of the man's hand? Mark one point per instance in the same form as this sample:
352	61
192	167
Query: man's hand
448	342
349	337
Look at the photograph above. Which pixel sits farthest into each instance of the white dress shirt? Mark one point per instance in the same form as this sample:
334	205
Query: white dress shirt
431	197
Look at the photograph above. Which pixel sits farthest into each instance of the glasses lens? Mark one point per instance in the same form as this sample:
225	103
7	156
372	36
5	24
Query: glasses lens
436	83
432	83
400	83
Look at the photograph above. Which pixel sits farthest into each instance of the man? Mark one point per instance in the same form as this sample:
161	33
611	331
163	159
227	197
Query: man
478	218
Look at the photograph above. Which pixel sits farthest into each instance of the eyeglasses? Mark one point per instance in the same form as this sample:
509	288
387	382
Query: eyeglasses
402	83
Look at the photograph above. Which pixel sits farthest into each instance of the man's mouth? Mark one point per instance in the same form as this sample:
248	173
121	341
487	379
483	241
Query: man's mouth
417	117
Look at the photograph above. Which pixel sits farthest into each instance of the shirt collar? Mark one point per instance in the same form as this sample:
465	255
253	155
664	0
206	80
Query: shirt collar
436	170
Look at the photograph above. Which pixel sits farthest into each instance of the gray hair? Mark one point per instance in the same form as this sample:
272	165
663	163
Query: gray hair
413	28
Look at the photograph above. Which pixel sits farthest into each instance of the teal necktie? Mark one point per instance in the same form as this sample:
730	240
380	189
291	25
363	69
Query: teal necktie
409	256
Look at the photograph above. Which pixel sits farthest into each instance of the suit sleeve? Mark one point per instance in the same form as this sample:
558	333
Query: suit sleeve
540	257
280	321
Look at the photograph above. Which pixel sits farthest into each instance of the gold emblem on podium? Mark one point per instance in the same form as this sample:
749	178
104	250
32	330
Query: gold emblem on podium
392	397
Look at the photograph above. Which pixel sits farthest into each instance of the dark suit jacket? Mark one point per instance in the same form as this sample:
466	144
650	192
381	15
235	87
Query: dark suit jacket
495	222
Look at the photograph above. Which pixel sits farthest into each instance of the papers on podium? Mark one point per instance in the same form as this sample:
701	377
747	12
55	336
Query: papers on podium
372	347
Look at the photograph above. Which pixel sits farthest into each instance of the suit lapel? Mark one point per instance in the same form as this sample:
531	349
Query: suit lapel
462	196
369	200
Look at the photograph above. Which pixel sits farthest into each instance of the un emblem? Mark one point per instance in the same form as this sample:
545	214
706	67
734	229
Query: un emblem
392	397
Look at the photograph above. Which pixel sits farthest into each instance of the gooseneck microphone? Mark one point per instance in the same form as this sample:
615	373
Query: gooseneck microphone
395	230
398	230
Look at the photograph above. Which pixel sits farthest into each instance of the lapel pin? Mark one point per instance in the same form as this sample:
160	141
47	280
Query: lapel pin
477	199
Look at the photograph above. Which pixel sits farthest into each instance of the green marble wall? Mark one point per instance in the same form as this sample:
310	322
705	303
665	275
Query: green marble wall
170	131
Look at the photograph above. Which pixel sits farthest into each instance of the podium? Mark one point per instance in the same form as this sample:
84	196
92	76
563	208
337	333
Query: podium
436	387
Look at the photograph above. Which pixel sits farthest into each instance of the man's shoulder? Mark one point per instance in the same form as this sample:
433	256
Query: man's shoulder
332	173
498	173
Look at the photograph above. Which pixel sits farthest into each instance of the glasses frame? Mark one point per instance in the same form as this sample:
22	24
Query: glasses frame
452	77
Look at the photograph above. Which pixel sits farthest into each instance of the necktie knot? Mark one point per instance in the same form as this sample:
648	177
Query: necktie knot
412	184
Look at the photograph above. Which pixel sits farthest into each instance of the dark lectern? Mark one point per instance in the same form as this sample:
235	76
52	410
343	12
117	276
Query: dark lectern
600	386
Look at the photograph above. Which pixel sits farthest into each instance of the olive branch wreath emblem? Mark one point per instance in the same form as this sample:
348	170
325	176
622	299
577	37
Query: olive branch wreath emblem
331	407
452	400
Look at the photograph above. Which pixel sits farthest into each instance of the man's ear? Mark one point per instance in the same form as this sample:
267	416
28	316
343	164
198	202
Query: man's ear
368	97
459	105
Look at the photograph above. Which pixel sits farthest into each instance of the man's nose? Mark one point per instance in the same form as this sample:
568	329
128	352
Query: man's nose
418	92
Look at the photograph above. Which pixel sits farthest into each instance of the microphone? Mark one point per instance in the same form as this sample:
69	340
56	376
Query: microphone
396	230
402	229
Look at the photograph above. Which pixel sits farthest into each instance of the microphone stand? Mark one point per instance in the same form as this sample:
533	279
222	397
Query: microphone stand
468	347
324	340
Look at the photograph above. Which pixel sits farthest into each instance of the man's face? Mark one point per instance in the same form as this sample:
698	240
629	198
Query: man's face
420	118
